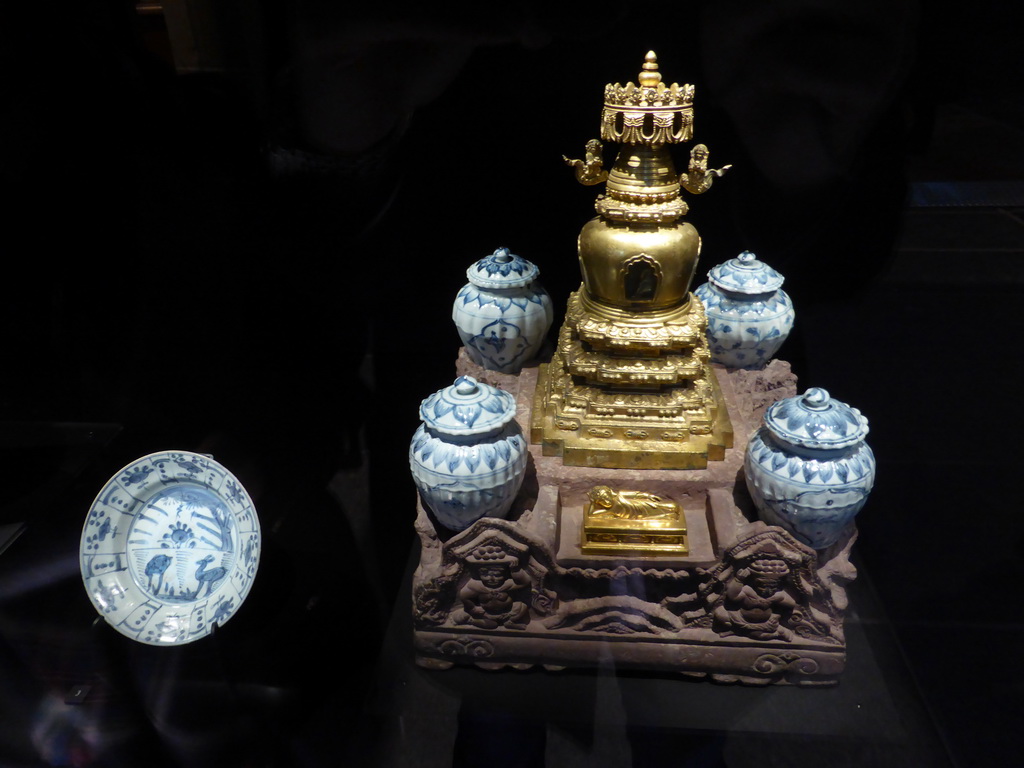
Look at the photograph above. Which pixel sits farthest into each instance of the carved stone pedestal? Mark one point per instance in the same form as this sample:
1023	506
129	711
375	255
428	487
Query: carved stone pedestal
747	602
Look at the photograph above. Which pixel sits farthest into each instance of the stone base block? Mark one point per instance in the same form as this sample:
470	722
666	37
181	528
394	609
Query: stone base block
747	603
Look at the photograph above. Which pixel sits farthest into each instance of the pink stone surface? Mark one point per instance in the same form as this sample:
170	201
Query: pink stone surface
509	382
545	525
549	483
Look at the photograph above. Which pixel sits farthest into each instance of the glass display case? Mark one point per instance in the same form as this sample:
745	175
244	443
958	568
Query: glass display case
254	262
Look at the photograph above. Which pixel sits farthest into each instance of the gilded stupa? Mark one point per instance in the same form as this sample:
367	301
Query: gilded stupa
630	384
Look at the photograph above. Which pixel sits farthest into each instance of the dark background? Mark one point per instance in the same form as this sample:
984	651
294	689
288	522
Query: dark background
255	257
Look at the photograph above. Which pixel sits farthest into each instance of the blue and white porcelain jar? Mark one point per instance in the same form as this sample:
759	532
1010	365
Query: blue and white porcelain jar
808	468
749	315
469	455
503	314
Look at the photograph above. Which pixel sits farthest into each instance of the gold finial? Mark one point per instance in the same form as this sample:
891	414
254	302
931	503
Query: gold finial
650	77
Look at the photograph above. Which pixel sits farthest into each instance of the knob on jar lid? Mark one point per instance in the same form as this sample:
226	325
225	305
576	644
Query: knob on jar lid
502	269
468	407
746	274
815	420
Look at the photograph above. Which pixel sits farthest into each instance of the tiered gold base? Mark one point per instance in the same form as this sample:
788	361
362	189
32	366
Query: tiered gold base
623	443
631	390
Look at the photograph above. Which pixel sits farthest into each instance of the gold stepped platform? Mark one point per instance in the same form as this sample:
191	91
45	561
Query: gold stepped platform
615	437
631	390
609	328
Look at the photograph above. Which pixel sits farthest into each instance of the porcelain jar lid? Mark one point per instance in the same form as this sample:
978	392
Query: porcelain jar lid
502	269
815	420
746	274
468	407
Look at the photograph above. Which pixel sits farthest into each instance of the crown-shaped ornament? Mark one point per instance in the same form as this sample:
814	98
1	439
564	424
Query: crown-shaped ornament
643	187
650	113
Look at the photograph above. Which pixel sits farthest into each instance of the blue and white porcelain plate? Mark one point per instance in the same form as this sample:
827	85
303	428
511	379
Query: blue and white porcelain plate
170	548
